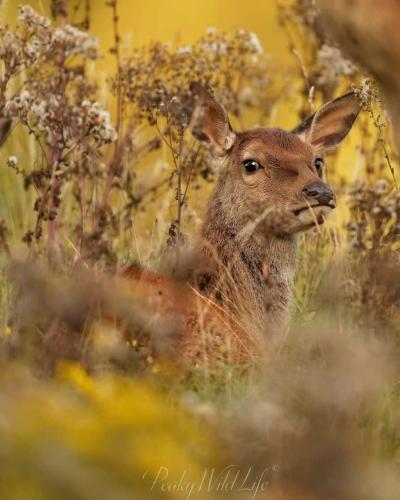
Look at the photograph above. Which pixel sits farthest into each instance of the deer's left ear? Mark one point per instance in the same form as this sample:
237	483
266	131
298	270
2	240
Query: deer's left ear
326	128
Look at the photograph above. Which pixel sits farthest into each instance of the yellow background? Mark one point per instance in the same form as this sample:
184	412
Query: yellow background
178	20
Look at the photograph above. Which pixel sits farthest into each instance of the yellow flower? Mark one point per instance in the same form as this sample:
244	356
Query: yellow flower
74	373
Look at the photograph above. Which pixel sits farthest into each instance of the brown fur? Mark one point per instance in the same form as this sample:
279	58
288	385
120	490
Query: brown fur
236	300
204	331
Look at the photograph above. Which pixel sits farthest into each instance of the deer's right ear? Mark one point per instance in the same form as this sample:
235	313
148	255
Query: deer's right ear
5	126
210	124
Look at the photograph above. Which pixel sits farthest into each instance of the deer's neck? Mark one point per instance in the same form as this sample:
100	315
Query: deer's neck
250	275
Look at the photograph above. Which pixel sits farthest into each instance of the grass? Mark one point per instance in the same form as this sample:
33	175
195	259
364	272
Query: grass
93	414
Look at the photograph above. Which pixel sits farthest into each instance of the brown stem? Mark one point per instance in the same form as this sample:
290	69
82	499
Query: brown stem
189	177
117	49
179	196
63	11
54	187
82	190
87	18
55	158
118	145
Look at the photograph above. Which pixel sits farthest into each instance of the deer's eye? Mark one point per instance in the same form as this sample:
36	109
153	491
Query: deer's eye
318	163
251	166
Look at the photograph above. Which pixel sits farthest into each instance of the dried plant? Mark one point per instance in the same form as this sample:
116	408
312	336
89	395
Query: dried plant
57	104
321	414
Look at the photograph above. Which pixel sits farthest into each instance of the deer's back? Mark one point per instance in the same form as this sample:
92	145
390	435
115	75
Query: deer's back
204	332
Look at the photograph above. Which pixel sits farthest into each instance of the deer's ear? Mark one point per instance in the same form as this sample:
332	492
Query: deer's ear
5	125
326	128
210	124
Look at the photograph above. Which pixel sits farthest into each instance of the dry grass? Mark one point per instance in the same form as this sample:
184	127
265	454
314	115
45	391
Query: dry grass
86	193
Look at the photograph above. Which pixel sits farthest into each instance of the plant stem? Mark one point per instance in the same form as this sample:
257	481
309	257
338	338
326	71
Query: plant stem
55	158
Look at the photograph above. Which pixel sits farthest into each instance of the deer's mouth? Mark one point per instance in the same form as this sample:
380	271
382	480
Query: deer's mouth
308	216
298	211
330	206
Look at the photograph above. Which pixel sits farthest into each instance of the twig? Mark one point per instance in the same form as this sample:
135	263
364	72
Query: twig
381	141
55	158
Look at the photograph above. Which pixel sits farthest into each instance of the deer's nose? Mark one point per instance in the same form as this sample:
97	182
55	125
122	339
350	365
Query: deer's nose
321	192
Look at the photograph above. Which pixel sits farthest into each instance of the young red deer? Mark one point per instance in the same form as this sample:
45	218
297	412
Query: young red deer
237	297
270	188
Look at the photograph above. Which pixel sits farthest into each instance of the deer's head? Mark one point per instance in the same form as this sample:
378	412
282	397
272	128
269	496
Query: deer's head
272	168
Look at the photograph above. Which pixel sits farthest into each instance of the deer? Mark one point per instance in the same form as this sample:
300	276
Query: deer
235	301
